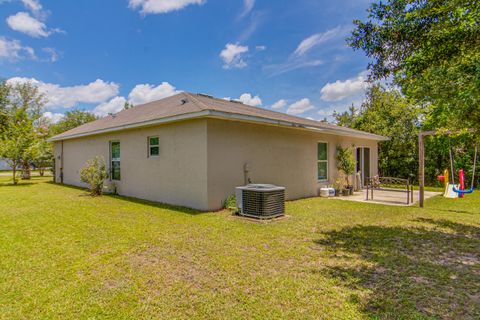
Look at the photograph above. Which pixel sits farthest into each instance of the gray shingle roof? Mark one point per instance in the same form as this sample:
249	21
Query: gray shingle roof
188	106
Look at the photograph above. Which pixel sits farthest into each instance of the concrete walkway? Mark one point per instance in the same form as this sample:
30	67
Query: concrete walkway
392	198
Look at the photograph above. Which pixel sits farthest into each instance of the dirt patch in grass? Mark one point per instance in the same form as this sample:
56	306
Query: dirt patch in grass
166	268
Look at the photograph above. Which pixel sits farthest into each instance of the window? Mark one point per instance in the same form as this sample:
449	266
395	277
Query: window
115	160
322	161
153	147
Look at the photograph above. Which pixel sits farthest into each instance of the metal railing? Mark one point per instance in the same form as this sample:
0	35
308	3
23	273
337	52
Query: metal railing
389	184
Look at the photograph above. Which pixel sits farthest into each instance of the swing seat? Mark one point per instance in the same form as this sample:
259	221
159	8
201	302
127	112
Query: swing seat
463	191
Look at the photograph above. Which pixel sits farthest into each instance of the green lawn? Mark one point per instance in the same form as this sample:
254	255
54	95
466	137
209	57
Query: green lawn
66	255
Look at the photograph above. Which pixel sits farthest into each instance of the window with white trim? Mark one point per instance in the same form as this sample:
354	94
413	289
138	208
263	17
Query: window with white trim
153	147
115	160
322	161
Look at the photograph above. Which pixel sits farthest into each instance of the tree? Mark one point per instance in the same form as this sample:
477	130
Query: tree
127	105
44	155
430	48
94	174
345	162
26	96
26	105
17	142
346	118
4	103
386	112
72	119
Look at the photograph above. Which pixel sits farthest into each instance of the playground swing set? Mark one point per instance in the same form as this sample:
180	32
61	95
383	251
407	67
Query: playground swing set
452	189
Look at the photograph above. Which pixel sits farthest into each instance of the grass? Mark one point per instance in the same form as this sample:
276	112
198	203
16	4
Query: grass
66	255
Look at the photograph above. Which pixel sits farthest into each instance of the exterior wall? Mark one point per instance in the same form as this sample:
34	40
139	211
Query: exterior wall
281	156
4	165
178	176
202	161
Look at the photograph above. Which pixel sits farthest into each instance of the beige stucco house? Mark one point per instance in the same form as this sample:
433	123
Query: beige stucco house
193	150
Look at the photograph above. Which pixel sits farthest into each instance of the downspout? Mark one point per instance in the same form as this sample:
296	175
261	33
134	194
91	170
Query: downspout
61	165
246	174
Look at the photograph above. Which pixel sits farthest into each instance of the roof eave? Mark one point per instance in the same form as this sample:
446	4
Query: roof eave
223	115
131	126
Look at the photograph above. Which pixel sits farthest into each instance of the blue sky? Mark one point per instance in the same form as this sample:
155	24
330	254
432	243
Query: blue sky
95	55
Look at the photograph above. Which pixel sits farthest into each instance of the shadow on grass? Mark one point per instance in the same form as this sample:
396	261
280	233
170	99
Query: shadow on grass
20	184
8	181
158	205
458	211
424	272
135	200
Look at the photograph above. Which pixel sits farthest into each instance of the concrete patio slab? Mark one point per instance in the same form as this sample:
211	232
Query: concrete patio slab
392	198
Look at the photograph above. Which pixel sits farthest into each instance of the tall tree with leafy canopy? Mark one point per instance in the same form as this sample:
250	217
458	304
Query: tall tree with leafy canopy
386	112
44	150
346	118
72	119
26	104
431	49
18	141
26	96
4	105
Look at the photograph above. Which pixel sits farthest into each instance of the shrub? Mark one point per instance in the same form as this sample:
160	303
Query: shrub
345	161
230	202
94	174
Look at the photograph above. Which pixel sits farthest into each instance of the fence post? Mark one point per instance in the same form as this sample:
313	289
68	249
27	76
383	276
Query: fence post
408	193
421	169
411	193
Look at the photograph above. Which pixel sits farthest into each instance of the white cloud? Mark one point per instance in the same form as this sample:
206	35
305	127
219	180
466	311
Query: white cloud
279	104
278	69
232	56
53	55
52	117
67	97
25	23
254	21
33	5
250	100
340	90
247	7
299	58
14	50
300	106
261	48
113	106
329	111
319	38
143	93
161	6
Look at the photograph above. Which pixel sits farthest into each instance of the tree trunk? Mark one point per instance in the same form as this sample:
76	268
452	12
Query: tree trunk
14	168
26	175
41	171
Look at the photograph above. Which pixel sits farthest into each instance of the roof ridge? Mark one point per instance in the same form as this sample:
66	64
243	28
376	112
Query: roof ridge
199	104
